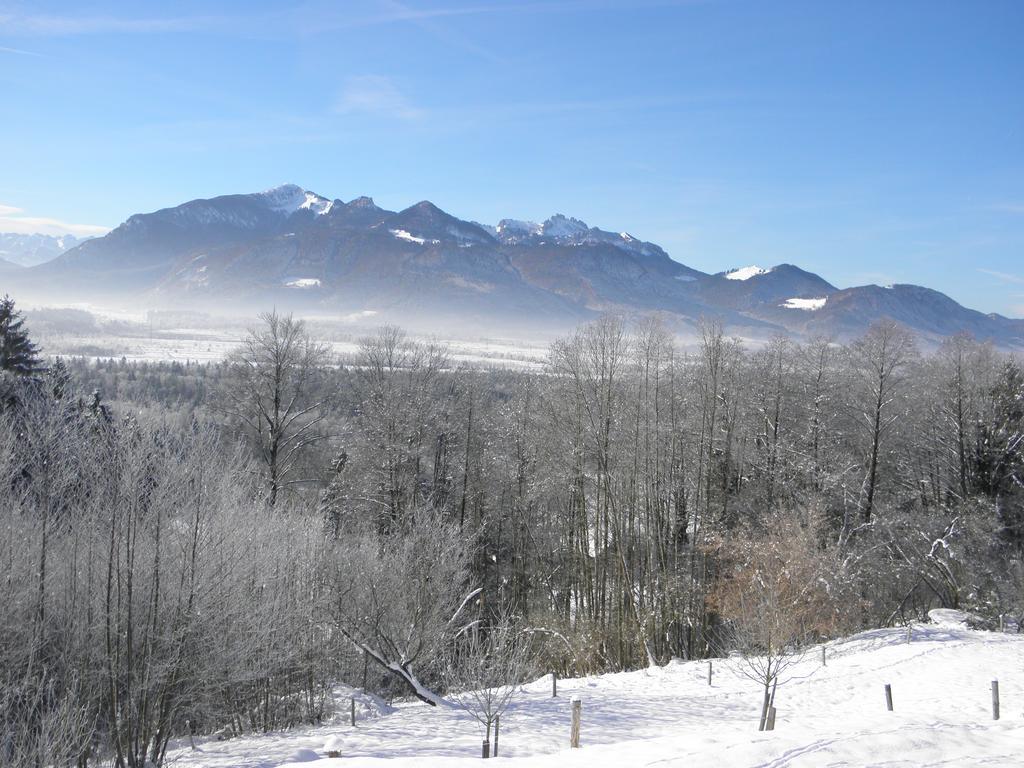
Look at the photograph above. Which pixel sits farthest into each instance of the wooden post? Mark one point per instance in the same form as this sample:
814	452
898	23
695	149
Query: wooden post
574	733
823	663
554	684
910	629
995	699
191	741
888	697
497	724
765	705
1001	623
709	673
352	710
771	719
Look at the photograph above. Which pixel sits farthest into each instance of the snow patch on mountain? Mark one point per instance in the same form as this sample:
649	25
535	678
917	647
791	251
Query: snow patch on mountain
464	235
808	305
745	273
473	285
401	234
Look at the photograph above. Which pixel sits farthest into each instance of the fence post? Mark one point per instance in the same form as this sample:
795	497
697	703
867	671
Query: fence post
709	673
352	710
910	629
497	724
554	684
888	697
771	719
823	663
762	722
574	734
995	699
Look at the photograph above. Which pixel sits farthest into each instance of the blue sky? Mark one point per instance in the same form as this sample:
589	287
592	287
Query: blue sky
866	141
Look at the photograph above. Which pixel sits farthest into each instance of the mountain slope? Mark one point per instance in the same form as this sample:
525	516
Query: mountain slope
295	249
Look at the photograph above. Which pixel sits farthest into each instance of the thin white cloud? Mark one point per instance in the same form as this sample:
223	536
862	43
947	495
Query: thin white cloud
19	51
1006	277
66	26
375	95
1009	207
12	221
396	11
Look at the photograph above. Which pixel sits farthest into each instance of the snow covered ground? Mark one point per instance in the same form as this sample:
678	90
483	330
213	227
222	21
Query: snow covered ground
206	345
832	715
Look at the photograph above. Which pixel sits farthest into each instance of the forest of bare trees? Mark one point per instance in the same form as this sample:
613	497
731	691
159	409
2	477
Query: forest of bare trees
208	549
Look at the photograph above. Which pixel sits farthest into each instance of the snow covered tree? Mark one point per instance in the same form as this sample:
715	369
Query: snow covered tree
18	354
999	455
270	395
488	664
400	597
878	362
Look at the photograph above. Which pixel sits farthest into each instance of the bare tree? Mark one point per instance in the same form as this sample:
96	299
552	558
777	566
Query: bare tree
774	595
877	361
487	666
272	394
400	597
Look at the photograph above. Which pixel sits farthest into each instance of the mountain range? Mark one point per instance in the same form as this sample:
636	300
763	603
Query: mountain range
294	249
18	250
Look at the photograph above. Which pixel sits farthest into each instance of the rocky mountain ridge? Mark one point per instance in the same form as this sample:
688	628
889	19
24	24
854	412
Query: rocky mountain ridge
292	248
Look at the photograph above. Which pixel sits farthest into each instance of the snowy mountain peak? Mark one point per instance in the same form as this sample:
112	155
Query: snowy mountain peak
745	273
559	226
29	250
516	226
289	198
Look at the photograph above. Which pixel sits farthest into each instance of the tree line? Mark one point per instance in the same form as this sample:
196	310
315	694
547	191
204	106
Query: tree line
209	549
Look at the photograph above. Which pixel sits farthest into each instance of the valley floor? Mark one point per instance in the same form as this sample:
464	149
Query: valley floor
832	715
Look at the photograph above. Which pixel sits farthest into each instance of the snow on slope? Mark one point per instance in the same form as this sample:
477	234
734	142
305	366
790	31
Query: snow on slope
830	715
808	305
745	273
304	282
289	198
401	234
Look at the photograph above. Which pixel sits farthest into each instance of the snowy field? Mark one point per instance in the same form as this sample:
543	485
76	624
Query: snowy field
206	345
200	345
832	715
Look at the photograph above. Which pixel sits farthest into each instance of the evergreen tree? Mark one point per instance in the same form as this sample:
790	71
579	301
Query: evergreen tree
17	352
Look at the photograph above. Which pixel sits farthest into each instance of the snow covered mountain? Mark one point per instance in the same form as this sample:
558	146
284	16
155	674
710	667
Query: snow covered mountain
293	248
30	250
